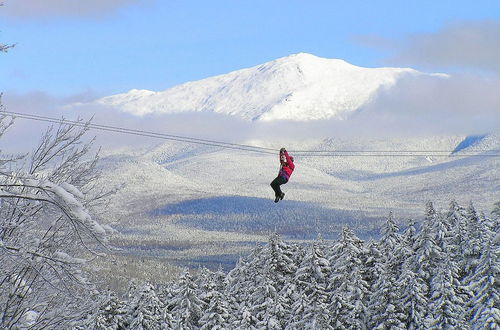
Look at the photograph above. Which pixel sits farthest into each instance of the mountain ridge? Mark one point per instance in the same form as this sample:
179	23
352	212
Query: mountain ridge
299	87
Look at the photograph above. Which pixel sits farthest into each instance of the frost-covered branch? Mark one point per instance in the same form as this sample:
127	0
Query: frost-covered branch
48	229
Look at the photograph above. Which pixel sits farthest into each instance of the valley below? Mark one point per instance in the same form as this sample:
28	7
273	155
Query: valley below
185	205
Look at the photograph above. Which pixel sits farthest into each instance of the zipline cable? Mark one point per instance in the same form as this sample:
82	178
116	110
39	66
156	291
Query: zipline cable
140	132
302	153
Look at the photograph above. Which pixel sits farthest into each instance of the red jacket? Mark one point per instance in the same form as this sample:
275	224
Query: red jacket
287	166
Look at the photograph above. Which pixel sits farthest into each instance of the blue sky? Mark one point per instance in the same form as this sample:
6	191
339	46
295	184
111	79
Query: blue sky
103	47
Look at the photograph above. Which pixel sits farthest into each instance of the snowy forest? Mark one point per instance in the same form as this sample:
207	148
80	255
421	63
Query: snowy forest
440	272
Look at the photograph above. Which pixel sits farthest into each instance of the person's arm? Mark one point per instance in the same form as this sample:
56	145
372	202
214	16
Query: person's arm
282	156
289	161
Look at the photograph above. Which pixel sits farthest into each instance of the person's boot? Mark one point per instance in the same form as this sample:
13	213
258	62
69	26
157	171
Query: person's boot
277	199
282	195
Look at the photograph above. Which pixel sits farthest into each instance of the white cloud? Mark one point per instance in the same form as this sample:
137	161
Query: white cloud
460	104
25	133
464	45
416	106
71	8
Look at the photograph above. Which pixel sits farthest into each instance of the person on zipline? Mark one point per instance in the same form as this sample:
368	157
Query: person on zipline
286	170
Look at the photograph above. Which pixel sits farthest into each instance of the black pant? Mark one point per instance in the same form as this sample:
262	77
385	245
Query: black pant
277	183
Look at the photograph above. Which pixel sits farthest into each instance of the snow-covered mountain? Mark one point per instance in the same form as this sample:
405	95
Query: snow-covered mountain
197	200
299	87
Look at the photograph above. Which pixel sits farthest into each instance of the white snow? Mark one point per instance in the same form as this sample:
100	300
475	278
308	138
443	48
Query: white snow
298	87
67	194
64	257
72	189
30	318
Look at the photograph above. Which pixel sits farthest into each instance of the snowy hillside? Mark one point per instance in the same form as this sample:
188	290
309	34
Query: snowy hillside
299	87
210	204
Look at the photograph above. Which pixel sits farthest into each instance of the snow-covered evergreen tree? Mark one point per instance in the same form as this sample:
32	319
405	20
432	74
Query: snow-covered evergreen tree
371	258
457	236
187	307
311	280
390	242
146	310
410	287
428	254
243	320
384	308
210	284
281	260
489	226
442	234
217	315
484	307
447	306
112	315
266	305
240	281
349	291
412	297
473	239
257	284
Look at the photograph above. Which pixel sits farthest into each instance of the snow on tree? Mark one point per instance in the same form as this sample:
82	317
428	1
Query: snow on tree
384	309
113	314
147	311
257	284
371	258
349	289
311	281
409	237
267	306
428	254
390	242
48	229
211	286
411	288
451	248
217	315
484	307
412	297
280	260
442	234
206	284
239	280
457	236
473	239
447	306
489	226
187	309
244	320
263	279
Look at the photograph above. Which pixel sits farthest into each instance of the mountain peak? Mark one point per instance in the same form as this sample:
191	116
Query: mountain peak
301	58
297	87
